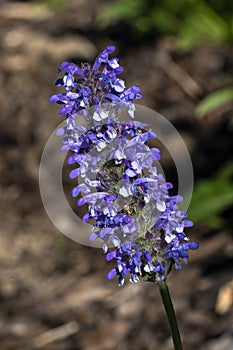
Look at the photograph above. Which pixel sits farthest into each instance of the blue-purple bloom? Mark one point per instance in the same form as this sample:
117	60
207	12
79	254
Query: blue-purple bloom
140	224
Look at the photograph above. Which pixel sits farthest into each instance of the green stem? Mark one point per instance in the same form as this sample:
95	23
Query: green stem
167	302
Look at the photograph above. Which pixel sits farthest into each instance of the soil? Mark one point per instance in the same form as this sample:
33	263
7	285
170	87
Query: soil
53	291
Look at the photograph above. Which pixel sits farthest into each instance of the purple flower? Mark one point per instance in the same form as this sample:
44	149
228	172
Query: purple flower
140	224
88	86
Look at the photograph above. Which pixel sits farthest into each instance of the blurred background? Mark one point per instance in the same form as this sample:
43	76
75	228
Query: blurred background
53	292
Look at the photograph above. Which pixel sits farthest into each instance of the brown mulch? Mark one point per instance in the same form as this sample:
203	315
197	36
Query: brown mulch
53	292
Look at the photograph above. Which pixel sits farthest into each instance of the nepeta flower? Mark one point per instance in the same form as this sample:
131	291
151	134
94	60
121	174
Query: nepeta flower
127	199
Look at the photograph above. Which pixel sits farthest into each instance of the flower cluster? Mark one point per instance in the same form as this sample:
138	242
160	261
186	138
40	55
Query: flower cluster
87	87
128	201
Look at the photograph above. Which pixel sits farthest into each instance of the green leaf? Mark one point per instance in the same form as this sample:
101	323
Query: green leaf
211	197
55	3
118	10
213	101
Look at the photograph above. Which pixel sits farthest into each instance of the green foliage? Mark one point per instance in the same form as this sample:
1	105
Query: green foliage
214	101
211	197
53	3
192	21
204	25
